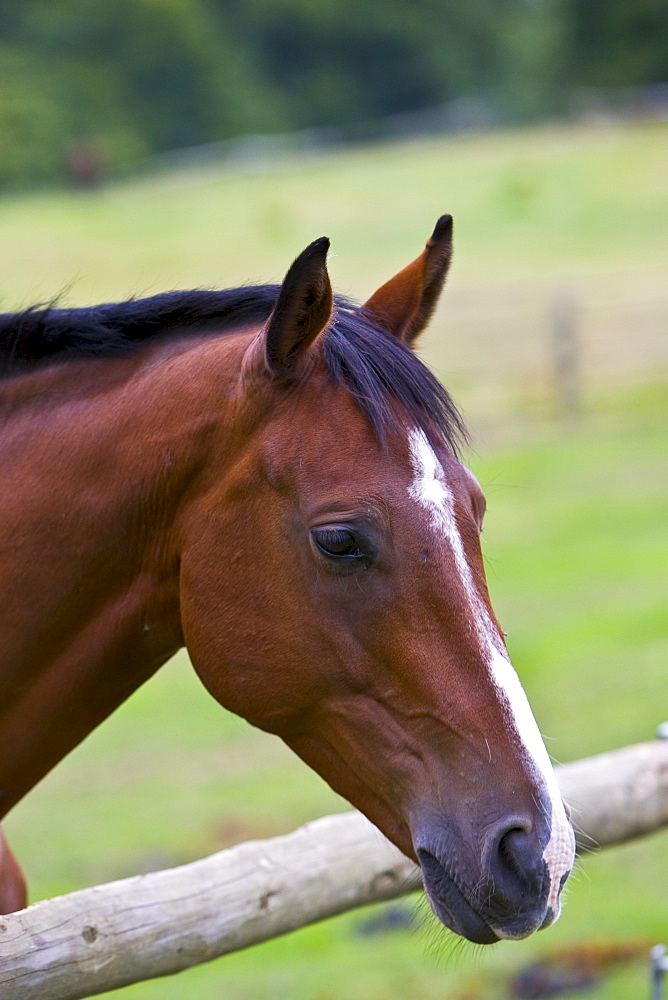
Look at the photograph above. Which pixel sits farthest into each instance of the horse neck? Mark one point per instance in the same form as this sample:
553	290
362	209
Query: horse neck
98	471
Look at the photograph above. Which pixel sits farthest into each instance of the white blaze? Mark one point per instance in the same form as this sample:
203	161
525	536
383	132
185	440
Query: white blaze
432	492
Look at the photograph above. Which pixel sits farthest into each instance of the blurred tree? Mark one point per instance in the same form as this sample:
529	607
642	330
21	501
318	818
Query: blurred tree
29	116
149	75
618	42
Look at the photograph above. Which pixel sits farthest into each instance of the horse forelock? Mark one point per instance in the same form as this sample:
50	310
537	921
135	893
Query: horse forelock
392	387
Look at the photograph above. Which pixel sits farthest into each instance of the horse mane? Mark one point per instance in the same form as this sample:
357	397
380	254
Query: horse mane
379	371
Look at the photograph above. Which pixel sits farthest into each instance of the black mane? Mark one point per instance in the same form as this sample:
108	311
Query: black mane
37	336
378	370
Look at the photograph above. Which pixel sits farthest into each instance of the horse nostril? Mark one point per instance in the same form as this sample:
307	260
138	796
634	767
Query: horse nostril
516	850
515	860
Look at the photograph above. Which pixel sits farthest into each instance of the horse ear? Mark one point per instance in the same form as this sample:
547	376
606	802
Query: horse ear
404	304
302	311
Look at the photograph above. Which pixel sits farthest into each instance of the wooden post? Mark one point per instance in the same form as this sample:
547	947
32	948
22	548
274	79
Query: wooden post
112	935
658	969
566	356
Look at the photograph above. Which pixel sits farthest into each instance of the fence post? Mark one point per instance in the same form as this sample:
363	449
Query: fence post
658	968
565	355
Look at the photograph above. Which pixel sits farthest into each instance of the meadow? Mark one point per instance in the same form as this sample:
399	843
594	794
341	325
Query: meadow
575	538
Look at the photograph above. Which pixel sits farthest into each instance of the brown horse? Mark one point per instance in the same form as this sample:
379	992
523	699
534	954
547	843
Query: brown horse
269	476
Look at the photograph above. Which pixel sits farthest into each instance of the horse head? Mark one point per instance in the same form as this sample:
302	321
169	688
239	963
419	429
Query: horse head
333	593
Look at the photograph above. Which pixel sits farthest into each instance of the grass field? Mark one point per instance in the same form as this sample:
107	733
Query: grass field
575	540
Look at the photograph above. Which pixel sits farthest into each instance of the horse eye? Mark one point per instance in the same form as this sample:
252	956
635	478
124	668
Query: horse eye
338	542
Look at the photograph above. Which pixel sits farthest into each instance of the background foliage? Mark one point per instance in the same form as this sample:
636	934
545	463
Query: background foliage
149	75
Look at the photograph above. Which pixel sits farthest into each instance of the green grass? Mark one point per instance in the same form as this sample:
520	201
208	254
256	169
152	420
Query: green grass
527	204
575	539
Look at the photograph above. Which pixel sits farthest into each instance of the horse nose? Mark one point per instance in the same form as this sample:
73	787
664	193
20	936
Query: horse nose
518	872
504	888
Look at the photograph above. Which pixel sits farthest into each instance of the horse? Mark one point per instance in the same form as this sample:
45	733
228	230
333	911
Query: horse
270	477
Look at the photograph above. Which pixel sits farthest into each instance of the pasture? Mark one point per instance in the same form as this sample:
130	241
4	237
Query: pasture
575	537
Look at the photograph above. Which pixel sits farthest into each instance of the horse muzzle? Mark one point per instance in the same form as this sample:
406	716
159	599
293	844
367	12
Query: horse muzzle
504	890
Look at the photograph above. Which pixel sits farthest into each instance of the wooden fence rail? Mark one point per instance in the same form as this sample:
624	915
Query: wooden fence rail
112	935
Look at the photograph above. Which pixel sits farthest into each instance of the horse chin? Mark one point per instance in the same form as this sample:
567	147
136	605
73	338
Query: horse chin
450	905
454	910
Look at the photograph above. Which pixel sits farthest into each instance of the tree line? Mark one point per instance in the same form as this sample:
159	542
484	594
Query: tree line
150	75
